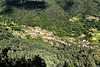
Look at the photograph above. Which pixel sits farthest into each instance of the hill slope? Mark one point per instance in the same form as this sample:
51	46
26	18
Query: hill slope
53	15
23	53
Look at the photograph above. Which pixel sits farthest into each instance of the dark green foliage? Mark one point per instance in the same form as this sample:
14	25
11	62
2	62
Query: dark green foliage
4	34
15	28
74	7
28	36
26	53
53	15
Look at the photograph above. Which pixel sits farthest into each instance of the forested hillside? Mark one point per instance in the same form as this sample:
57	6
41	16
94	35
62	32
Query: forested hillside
29	53
76	22
52	15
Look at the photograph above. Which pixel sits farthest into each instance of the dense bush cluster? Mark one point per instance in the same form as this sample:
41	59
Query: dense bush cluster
4	34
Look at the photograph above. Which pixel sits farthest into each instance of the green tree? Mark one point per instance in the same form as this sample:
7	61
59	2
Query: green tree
39	38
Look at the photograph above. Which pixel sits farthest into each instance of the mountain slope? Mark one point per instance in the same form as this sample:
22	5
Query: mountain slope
53	15
18	52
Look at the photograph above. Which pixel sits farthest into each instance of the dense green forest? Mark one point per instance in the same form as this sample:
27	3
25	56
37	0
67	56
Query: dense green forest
52	15
28	53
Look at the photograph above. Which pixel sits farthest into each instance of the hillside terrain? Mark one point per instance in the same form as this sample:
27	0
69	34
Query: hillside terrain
15	50
50	33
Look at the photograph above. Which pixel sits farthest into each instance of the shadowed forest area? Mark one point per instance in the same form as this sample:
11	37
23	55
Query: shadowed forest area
28	5
37	62
32	53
